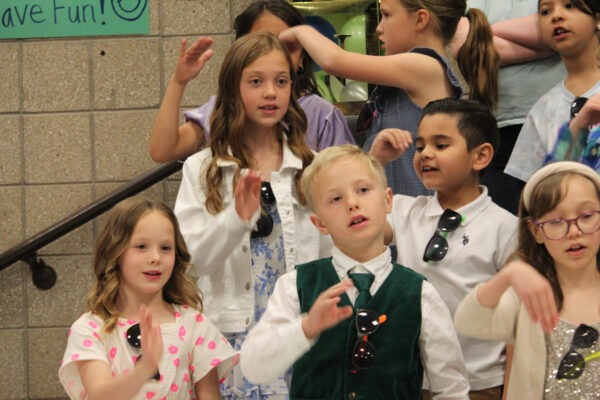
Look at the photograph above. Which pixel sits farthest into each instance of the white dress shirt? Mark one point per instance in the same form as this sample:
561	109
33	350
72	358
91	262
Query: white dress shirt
278	340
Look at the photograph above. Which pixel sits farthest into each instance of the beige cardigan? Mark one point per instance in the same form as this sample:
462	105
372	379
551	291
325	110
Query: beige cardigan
508	322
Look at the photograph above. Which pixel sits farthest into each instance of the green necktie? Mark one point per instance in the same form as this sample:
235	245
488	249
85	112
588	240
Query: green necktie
362	282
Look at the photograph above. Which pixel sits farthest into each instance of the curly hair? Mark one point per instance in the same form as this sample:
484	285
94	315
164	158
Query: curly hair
228	120
113	239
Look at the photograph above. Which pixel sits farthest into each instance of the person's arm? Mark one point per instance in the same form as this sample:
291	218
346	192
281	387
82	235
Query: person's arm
422	76
207	388
516	40
97	377
334	130
283	335
533	290
200	228
440	350
169	140
390	144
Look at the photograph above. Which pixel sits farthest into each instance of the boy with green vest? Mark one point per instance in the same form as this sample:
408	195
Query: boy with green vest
354	326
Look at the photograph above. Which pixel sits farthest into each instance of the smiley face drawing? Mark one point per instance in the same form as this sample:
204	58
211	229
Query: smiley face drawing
129	10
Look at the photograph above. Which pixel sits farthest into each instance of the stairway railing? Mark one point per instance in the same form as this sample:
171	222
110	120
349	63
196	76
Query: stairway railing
44	276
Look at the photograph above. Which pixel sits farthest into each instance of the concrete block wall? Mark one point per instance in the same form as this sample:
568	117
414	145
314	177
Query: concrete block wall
75	121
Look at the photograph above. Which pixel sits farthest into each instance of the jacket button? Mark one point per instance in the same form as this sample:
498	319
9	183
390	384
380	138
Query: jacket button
248	286
247	321
351	396
244	248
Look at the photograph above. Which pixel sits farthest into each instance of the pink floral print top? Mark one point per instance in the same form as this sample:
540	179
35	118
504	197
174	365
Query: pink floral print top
192	347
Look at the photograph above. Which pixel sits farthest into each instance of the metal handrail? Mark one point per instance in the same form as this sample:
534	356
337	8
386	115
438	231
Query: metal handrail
44	276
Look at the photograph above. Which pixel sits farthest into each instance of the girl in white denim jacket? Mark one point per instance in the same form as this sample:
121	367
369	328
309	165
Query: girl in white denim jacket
243	220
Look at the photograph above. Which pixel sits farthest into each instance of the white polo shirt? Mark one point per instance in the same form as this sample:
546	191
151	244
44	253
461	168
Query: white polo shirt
476	251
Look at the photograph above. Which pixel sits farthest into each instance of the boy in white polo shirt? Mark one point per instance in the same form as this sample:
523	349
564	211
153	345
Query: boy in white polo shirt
458	237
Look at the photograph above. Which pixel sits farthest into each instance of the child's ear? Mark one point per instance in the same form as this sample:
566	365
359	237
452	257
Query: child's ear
318	223
389	196
422	19
483	155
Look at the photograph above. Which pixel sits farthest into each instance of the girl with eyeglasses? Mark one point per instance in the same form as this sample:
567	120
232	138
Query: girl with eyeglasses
413	71
571	28
547	303
240	210
144	335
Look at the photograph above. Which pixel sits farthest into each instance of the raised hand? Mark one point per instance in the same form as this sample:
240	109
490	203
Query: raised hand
247	194
588	116
390	144
535	293
152	345
289	38
325	312
191	61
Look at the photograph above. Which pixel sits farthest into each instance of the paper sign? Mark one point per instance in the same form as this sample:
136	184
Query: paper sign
58	18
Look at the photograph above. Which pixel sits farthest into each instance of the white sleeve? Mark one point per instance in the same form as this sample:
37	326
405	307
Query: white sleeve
210	238
277	340
440	350
528	152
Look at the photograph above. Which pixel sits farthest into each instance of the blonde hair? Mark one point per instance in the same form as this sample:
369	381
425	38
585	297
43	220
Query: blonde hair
330	155
477	58
543	196
228	120
113	239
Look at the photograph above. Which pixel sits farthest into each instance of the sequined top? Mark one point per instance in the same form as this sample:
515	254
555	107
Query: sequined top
587	386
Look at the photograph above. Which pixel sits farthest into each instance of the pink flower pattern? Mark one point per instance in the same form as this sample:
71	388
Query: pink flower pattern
204	339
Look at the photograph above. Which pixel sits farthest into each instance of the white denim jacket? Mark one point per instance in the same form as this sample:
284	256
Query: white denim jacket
220	244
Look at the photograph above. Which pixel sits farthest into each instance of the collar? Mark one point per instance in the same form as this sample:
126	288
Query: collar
289	161
469	211
342	263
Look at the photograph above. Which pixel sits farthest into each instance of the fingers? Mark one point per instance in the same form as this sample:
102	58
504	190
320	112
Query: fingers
247	194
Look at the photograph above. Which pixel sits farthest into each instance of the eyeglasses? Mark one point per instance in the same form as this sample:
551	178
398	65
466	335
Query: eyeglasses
134	338
367	323
572	364
557	229
264	225
576	106
437	247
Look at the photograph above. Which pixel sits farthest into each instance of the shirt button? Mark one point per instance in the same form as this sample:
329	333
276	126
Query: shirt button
291	249
244	248
287	212
247	321
248	286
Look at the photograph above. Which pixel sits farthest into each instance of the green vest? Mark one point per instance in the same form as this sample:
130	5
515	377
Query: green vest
325	371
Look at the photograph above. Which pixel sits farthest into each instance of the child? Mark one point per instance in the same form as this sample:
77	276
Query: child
534	69
141	265
559	222
327	125
408	328
258	125
414	34
458	237
570	28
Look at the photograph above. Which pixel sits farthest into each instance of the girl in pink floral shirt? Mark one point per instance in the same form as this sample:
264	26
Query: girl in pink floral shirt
144	303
